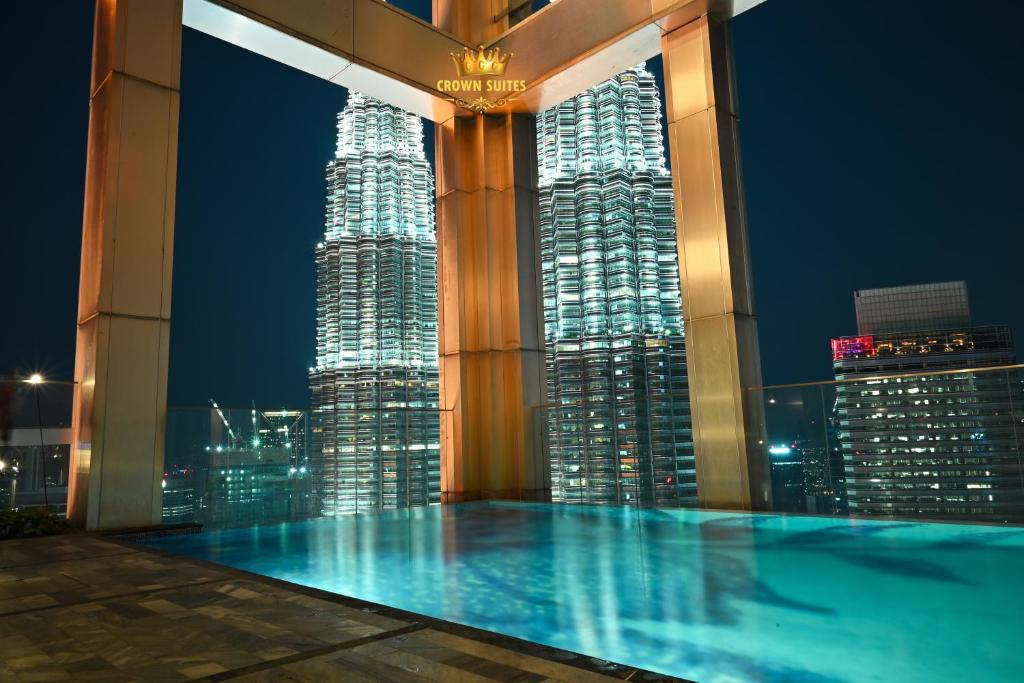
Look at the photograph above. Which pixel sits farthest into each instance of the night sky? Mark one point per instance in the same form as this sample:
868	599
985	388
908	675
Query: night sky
882	146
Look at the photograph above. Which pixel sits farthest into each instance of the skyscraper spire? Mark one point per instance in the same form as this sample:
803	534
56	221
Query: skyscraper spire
376	430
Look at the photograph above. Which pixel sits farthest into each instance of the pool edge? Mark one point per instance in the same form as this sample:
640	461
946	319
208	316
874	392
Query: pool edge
492	638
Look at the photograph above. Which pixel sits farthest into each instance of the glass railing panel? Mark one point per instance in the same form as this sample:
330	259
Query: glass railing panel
619	449
35	444
1014	467
800	444
236	467
920	445
228	467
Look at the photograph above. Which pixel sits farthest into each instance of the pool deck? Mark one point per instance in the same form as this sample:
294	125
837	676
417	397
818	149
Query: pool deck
86	608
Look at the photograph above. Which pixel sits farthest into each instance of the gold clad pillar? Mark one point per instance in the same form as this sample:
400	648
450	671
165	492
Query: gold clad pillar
492	359
491	342
125	288
718	303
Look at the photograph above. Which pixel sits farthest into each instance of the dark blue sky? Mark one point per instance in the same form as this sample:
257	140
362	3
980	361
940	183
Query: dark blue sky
880	148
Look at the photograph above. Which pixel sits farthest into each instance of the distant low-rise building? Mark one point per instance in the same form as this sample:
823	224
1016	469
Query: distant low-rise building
238	468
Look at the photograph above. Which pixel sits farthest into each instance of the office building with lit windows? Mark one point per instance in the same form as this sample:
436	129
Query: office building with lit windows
238	467
618	419
375	425
935	444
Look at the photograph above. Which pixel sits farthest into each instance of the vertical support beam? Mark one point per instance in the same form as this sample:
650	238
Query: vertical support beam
718	303
490	331
125	289
491	343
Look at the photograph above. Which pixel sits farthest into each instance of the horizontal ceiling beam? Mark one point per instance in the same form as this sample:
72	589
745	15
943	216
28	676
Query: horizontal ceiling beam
572	45
370	46
363	45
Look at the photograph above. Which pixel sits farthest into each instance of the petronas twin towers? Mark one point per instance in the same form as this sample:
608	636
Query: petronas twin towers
376	429
617	410
618	417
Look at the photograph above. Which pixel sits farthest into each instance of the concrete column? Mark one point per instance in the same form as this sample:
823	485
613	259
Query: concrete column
127	242
718	303
491	343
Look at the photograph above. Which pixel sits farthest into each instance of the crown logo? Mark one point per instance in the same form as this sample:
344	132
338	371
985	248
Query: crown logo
480	63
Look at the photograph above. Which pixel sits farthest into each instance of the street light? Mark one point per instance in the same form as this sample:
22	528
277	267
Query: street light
35	379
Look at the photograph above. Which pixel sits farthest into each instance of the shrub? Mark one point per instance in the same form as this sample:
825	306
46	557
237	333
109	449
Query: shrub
30	522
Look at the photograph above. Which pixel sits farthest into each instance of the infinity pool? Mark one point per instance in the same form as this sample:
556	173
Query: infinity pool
713	597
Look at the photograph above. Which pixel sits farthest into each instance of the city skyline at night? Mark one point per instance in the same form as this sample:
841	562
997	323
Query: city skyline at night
530	331
811	184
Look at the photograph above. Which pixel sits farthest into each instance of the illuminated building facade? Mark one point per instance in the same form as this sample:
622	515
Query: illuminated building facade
929	445
255	485
619	419
238	467
936	306
808	476
376	429
181	495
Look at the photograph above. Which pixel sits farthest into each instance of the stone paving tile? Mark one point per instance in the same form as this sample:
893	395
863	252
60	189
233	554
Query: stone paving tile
76	578
175	633
546	668
78	608
54	549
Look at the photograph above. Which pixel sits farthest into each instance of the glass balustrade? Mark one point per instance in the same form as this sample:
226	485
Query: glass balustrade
227	467
942	445
35	438
922	445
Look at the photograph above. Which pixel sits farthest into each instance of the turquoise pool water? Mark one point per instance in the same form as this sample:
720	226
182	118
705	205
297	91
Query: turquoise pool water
713	597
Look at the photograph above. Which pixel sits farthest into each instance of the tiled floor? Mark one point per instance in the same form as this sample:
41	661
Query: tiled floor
81	608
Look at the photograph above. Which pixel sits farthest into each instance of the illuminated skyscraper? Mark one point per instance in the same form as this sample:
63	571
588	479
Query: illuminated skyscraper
944	443
619	425
376	430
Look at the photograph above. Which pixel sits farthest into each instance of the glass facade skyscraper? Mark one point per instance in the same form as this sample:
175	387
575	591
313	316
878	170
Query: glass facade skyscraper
936	444
618	420
376	429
